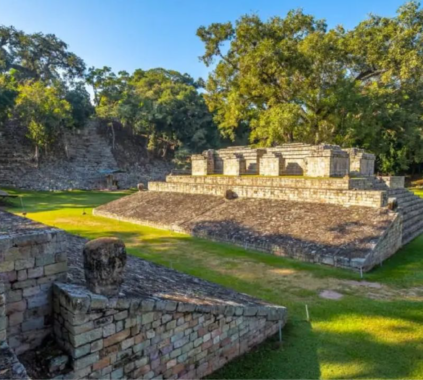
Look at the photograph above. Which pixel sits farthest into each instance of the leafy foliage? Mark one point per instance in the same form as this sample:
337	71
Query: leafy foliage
37	56
293	79
163	105
8	95
44	110
79	100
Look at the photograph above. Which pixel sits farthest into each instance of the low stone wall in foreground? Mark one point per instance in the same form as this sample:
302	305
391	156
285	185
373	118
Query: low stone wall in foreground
32	256
155	338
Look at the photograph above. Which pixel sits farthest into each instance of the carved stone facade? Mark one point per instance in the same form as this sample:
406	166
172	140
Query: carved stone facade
288	159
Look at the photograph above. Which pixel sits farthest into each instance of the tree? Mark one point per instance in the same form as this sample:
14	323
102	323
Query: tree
8	93
163	105
37	56
81	106
174	111
44	110
293	79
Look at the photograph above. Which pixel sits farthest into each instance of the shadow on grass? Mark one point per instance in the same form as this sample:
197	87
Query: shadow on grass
342	341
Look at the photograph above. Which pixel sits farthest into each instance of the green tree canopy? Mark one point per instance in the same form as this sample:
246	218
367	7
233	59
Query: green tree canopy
163	105
293	79
44	110
37	56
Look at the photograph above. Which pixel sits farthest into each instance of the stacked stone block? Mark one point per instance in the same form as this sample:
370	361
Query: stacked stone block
234	164
155	338
296	159
361	163
203	164
327	161
367	198
250	155
31	258
271	164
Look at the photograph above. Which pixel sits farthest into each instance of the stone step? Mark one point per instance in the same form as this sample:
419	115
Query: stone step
410	203
412	211
404	198
412	220
411	233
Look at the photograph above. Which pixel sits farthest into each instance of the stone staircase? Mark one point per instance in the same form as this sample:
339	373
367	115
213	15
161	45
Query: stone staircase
410	206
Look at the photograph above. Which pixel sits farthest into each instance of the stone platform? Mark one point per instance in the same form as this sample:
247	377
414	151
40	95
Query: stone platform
349	192
353	237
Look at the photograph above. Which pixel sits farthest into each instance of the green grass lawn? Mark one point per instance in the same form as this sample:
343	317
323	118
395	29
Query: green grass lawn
374	331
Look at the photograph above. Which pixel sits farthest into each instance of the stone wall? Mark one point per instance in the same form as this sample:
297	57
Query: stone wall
154	338
361	163
313	232
203	164
327	163
375	199
393	182
271	164
387	245
234	165
311	183
251	157
32	256
296	159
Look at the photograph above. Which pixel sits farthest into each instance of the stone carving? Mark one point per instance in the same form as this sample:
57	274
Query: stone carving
104	263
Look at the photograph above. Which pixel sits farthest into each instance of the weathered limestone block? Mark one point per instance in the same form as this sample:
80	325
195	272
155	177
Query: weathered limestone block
271	164
104	263
203	164
234	165
327	161
393	182
361	163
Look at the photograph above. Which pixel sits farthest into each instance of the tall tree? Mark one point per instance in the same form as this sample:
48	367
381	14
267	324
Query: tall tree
293	79
44	110
37	56
163	105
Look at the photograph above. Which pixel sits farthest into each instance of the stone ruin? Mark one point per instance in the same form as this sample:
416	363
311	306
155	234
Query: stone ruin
288	159
321	204
73	310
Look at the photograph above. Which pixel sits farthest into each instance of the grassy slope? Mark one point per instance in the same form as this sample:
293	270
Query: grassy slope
369	333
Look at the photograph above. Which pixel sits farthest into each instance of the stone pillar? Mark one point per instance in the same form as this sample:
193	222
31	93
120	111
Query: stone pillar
361	163
327	161
234	165
104	263
271	164
203	164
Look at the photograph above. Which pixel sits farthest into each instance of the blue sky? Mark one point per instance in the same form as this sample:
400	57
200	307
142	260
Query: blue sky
131	34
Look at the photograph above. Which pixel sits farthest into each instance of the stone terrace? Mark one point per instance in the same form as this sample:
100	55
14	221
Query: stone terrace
323	233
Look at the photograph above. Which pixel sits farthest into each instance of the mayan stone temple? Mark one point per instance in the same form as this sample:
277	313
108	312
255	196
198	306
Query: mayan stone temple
316	203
